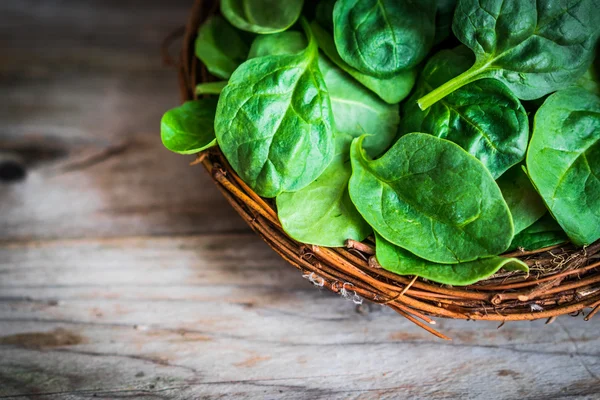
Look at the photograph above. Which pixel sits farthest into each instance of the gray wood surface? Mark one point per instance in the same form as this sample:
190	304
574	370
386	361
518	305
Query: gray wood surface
124	274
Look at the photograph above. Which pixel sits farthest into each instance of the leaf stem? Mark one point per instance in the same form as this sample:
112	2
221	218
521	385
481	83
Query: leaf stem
210	87
312	46
470	75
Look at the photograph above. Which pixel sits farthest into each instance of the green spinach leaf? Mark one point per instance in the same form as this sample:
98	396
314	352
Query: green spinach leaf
563	161
432	198
220	47
262	16
534	47
392	90
543	233
274	121
483	117
590	81
356	110
399	261
322	212
525	204
288	42
189	128
443	19
324	14
383	37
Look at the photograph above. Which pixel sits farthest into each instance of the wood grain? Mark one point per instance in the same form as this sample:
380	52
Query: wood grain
124	274
209	319
83	109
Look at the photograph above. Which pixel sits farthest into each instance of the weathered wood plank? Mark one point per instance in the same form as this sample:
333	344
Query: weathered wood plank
83	89
395	377
46	37
95	192
211	320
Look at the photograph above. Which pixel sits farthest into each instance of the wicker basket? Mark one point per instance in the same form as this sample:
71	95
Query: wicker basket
563	279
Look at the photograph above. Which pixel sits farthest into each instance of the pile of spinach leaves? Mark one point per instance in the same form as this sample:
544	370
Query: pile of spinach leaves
451	131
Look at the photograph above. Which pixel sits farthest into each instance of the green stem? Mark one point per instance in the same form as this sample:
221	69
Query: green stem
210	87
470	75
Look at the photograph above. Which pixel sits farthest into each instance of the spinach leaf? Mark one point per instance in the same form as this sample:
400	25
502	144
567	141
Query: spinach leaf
274	121
324	14
399	261
356	110
563	161
392	90
220	47
443	19
288	42
189	128
590	81
483	117
210	87
534	47
322	212
543	233
525	204
383	37
262	16
432	198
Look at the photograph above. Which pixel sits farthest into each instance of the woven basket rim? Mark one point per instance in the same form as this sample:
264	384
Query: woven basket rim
564	279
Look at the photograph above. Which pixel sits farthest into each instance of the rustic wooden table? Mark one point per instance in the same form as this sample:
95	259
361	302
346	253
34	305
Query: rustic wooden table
124	274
